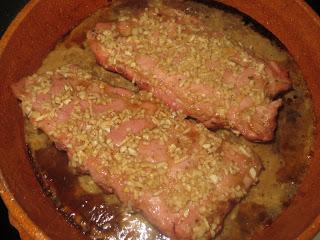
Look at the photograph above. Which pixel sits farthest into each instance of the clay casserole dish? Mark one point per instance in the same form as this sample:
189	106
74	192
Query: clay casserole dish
34	33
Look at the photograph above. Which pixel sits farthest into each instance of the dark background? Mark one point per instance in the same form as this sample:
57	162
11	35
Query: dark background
8	10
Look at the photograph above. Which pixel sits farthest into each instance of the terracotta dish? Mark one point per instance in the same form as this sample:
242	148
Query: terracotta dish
34	33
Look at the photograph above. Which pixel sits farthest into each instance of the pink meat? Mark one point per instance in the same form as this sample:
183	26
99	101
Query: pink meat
191	68
183	178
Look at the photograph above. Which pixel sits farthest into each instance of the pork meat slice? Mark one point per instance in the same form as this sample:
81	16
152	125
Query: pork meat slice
189	67
183	178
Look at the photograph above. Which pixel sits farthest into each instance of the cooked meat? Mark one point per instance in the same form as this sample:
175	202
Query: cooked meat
183	178
189	67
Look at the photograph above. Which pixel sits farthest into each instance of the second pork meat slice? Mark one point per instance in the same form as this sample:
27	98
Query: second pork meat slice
194	69
182	177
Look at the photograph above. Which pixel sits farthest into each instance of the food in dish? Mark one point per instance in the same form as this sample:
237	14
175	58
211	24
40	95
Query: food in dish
99	214
194	69
182	177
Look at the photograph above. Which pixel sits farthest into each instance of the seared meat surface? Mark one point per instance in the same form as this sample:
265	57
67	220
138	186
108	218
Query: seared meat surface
183	178
194	69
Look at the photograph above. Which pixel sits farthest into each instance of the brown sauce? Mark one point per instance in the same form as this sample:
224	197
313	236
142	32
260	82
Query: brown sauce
87	210
285	159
